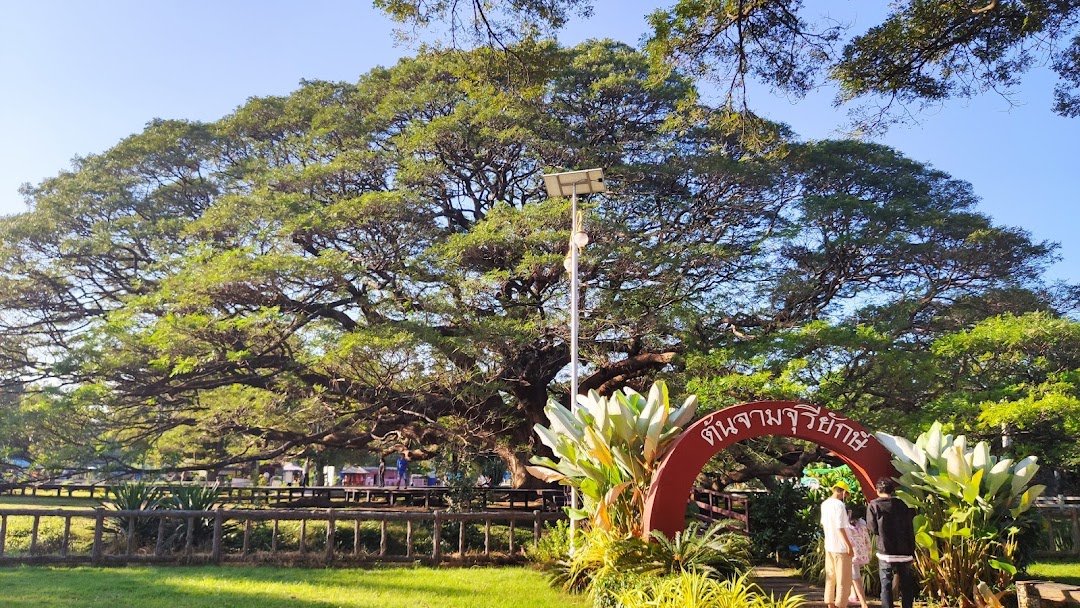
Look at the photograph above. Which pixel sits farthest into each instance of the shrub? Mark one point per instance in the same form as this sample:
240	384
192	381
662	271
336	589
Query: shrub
134	496
715	551
604	562
601	554
554	546
785	522
695	589
193	498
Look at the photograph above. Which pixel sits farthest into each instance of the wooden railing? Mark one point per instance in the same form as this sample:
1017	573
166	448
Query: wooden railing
713	506
1063	532
426	496
242	535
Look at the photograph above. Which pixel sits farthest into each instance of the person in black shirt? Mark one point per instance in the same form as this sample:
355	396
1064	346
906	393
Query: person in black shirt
892	522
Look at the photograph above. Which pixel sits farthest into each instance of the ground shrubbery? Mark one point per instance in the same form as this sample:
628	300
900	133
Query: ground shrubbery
699	567
785	522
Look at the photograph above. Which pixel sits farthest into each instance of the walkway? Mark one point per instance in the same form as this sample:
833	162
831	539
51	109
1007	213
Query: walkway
778	581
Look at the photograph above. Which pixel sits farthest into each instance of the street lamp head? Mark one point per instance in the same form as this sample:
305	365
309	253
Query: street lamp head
569	183
581	239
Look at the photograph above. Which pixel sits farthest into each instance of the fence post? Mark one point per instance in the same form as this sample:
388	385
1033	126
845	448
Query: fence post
1050	540
189	541
67	537
331	528
99	530
536	528
382	538
159	545
461	537
408	538
3	533
215	548
129	547
1075	530
356	537
436	537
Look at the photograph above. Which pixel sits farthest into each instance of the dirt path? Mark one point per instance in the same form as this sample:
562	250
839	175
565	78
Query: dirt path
778	581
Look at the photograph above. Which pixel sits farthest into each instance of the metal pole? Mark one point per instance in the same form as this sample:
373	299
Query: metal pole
573	339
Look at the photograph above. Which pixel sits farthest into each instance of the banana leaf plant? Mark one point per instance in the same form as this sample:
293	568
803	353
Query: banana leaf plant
608	448
970	508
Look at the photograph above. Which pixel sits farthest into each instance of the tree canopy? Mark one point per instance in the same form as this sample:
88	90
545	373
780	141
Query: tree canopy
923	51
375	266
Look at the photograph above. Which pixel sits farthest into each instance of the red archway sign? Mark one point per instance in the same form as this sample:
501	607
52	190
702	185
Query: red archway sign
665	505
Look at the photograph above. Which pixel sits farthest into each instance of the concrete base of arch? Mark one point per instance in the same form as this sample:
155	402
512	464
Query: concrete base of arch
665	505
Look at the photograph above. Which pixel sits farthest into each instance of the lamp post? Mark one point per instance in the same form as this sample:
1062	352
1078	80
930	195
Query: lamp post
561	185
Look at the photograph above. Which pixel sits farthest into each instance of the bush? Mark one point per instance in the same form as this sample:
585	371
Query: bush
602	553
715	551
136	496
784	522
554	546
604	558
695	589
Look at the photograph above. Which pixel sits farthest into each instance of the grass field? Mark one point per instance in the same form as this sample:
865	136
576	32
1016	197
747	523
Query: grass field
264	587
48	502
1067	572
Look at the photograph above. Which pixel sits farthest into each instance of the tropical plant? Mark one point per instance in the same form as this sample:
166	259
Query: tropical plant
970	508
134	496
608	449
696	589
603	554
607	564
716	551
193	498
553	546
786	522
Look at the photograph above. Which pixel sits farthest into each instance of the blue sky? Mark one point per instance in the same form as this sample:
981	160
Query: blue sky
79	76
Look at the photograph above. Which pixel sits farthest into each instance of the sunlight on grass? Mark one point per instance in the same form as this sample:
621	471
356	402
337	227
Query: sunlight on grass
1059	571
266	587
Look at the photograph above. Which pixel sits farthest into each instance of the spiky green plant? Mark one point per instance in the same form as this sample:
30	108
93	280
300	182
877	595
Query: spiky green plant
134	496
603	554
698	590
193	498
608	448
716	551
970	509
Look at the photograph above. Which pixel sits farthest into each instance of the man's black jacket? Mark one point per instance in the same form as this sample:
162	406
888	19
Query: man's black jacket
891	520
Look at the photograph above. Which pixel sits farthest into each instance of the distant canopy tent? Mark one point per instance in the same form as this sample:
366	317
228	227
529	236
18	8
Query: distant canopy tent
812	476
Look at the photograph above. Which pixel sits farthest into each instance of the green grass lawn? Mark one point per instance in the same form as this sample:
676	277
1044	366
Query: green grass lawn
265	587
48	502
1067	572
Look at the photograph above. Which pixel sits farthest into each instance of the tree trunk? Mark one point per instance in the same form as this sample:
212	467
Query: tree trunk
516	460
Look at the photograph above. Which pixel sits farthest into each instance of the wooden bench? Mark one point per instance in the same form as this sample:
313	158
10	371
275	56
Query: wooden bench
1034	594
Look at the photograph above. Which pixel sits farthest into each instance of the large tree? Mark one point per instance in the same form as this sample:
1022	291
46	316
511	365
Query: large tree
376	265
923	51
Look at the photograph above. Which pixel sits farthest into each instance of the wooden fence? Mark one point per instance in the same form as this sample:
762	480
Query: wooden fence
1063	529
714	506
244	535
427	496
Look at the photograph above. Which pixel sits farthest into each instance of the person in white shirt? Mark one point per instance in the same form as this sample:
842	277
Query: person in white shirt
838	548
